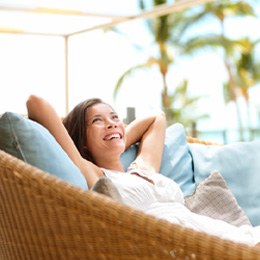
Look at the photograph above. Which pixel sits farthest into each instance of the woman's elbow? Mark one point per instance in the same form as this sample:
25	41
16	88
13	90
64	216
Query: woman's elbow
161	116
160	120
33	104
32	100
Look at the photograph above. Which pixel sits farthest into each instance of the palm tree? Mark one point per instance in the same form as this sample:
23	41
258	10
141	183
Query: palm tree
184	106
247	68
162	30
220	10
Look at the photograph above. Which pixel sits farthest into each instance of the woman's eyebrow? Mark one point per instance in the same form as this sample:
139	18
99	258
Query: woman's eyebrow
113	113
99	116
96	116
90	118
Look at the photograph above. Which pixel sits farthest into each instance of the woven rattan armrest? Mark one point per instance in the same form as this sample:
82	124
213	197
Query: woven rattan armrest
42	217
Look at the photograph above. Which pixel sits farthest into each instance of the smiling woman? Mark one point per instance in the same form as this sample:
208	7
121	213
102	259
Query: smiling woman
98	133
105	134
89	144
141	186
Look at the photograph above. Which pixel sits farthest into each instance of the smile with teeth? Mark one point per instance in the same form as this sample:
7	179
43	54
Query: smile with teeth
112	136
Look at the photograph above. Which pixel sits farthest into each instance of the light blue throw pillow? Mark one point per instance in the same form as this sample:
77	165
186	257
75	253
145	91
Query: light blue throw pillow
32	143
239	164
176	160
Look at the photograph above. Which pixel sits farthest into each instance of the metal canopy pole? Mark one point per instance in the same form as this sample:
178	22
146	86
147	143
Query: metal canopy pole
156	11
159	10
66	74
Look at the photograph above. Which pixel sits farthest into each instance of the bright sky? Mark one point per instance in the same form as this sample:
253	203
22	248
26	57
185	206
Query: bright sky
35	64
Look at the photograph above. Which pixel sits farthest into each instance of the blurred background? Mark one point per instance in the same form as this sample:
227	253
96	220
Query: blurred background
199	61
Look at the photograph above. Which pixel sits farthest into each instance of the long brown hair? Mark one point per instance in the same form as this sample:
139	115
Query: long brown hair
75	123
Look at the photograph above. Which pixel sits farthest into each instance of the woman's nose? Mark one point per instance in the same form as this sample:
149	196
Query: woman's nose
111	124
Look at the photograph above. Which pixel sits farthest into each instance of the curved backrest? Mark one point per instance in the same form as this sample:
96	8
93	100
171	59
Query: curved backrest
42	217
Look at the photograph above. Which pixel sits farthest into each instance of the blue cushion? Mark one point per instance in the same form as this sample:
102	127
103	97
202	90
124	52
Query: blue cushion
32	143
176	159
239	164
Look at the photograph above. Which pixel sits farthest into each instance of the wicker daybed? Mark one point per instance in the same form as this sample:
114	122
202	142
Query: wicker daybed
43	217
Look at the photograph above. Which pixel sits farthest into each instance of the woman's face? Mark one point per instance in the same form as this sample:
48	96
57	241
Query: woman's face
105	132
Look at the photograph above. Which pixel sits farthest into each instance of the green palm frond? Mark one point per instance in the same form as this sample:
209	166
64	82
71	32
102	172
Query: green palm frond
238	8
216	9
200	43
183	106
149	63
225	8
174	32
247	69
185	22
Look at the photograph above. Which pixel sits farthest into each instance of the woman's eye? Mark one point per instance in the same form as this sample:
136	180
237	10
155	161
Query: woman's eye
95	120
115	117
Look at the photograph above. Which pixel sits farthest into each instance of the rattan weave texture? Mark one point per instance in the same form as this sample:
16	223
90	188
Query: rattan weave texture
42	217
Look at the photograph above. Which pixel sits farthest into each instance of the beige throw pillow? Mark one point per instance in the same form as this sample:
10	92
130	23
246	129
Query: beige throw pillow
213	198
106	187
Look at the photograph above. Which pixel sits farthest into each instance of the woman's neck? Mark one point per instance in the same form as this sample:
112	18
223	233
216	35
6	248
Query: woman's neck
111	164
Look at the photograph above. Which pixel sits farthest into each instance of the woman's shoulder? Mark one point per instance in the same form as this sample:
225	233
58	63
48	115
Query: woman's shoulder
110	171
140	168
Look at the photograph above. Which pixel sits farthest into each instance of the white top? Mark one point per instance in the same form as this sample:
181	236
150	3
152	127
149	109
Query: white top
160	196
139	193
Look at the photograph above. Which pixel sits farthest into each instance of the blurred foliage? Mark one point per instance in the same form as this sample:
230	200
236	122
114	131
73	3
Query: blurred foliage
173	36
238	54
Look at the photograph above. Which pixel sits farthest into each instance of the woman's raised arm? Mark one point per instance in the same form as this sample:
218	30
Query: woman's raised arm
42	112
150	132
